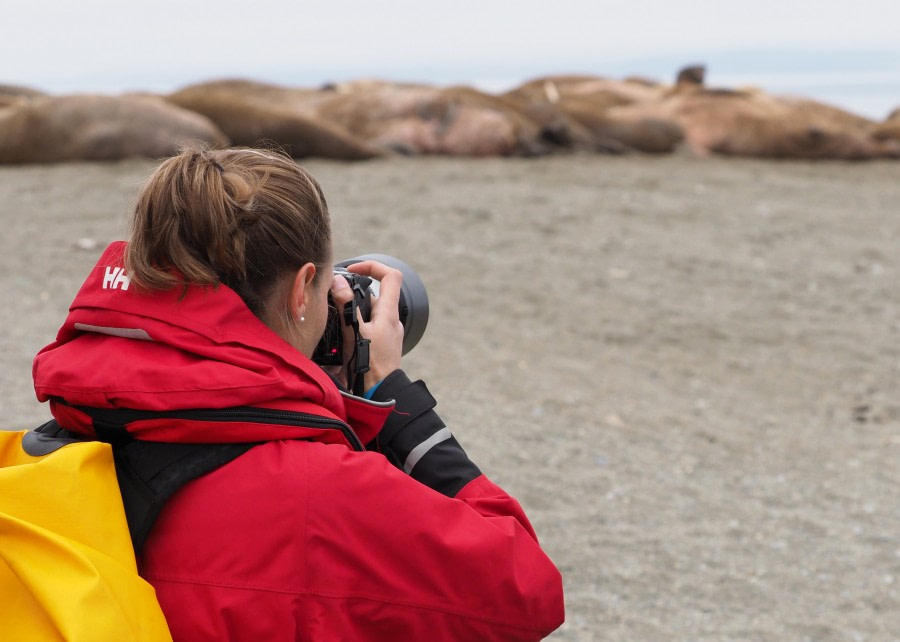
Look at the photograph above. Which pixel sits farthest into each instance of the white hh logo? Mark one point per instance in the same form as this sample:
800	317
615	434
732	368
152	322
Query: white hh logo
115	278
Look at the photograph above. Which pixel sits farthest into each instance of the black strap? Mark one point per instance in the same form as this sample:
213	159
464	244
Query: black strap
149	473
46	439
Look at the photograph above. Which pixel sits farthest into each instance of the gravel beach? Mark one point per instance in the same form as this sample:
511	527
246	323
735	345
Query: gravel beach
686	369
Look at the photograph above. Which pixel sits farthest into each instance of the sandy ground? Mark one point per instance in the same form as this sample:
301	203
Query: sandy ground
687	370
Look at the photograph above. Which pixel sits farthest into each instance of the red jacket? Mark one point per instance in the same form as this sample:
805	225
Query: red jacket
303	537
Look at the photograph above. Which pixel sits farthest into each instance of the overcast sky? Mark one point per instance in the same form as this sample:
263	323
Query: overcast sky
113	45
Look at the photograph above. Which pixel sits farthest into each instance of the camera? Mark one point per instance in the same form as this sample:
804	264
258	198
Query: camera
412	308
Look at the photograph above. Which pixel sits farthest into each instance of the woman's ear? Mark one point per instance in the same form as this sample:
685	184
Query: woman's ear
302	290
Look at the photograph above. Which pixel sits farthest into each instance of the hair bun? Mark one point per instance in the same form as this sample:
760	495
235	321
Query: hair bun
248	217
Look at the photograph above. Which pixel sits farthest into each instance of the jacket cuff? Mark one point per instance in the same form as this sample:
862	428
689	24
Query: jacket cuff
416	440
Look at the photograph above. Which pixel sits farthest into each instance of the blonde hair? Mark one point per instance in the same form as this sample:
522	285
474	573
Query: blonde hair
242	217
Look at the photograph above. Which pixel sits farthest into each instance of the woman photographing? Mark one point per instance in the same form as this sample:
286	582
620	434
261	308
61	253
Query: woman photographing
344	517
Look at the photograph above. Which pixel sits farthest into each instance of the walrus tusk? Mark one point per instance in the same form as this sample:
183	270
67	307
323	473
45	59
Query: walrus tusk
551	91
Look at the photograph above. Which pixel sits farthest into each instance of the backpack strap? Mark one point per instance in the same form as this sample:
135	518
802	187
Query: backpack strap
46	439
148	472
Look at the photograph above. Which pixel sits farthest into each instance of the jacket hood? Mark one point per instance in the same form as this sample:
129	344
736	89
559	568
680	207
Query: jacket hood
122	347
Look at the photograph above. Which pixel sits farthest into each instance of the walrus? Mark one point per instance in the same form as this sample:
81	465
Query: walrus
602	93
579	106
462	120
889	130
11	94
254	114
600	131
414	118
754	124
46	129
20	91
691	75
419	119
301	100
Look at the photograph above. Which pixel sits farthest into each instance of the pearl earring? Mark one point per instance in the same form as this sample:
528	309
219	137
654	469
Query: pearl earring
302	319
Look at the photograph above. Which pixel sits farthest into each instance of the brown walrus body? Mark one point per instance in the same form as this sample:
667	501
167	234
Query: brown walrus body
578	109
20	90
751	123
351	120
418	119
600	92
48	129
11	94
254	113
463	121
889	130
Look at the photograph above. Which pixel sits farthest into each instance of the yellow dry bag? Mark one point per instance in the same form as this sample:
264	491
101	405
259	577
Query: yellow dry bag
67	565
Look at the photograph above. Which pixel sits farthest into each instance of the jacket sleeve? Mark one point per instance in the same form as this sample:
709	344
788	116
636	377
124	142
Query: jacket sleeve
430	566
416	440
464	560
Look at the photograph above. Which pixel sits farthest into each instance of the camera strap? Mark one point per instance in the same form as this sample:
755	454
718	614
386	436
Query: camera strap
359	363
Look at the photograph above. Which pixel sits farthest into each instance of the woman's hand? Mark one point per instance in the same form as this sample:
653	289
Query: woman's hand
384	330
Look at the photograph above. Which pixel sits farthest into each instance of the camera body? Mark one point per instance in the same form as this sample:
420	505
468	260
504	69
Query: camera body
412	309
330	350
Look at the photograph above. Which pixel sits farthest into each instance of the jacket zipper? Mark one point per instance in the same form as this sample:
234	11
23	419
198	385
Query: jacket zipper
123	416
